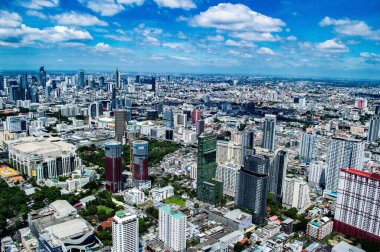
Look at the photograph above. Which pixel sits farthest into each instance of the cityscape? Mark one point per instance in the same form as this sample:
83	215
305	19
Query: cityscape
121	129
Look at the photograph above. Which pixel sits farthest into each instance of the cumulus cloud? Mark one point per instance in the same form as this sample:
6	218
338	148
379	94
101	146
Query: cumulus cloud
118	37
215	38
291	38
78	19
371	58
348	27
102	47
332	45
34	13
147	35
181	19
227	16
265	50
39	4
242	43
176	4
9	19
255	36
109	7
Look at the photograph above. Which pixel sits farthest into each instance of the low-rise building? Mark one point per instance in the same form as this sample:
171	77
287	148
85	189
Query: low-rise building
319	228
159	194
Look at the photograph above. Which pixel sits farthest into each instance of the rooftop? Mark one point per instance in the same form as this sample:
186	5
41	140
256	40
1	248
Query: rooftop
370	175
168	209
69	229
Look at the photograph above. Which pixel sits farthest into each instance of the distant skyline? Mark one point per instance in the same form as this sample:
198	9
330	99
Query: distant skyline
337	39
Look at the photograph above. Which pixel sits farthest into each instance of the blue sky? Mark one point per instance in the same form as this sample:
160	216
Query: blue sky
325	38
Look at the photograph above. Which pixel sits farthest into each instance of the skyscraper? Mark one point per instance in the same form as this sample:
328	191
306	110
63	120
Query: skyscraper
296	194
196	115
172	227
125	232
24	81
154	84
200	127
247	143
373	130
120	120
42	76
269	132
308	147
253	184
81	79
342	153
2	83
357	210
140	150
209	189
113	167
118	80
277	173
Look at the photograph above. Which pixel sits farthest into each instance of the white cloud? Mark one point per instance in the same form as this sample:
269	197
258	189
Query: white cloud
147	35
9	19
109	7
227	16
332	45
265	50
172	45
215	38
102	47
39	4
34	13
348	27
118	37
371	58
255	36
175	4
181	35
242	43
78	19
181	19
291	38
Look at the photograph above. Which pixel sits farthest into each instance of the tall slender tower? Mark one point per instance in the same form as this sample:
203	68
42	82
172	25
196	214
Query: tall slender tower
118	80
125	232
140	150
269	132
172	227
120	120
308	147
42	76
373	130
113	167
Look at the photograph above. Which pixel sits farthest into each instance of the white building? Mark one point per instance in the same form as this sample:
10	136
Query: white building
296	194
228	152
17	123
125	232
134	197
316	170
159	194
319	228
229	174
172	227
342	153
308	148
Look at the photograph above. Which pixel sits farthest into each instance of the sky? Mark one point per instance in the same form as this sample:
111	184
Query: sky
300	38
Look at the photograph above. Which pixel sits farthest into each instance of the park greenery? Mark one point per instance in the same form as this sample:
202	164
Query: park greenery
176	200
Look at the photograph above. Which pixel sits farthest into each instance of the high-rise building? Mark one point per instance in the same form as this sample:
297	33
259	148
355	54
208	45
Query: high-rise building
357	210
140	150
120	120
125	232
42	76
168	119
316	171
95	109
269	132
200	127
118	78
229	174
296	194
247	143
24	81
209	189
113	167
373	130
252	188
2	83
154	84
196	115
277	173
172	227
342	153
361	103
81	79
308	148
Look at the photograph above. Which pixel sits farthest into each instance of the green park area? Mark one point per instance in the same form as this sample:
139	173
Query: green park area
176	200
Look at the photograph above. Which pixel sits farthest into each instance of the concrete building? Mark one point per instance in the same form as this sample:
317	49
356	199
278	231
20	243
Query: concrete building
125	232
140	150
17	124
113	167
134	196
308	148
319	228
342	153
229	174
120	128
316	172
358	211
159	194
228	152
269	132
296	194
373	129
172	227
345	247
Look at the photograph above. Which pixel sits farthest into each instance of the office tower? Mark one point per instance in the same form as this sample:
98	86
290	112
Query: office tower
296	194
154	83
125	232
113	167
159	106
196	115
140	150
118	80
316	171
24	81
48	91
138	79
2	83
269	132
169	134
228	151
42	76
229	174
101	82
95	109
247	143
200	127
33	93
172	227
342	153
168	120
308	148
373	130
81	79
277	173
120	120
252	189
357	210
209	189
